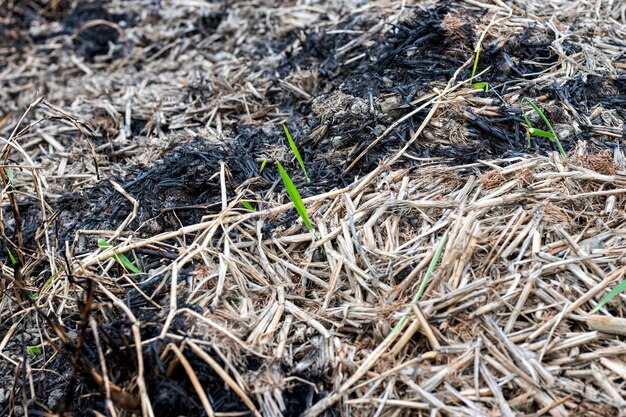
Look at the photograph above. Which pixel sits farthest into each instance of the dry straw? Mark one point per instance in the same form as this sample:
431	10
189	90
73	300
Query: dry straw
434	286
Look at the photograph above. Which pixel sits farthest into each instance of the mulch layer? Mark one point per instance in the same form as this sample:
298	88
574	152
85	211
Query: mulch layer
467	197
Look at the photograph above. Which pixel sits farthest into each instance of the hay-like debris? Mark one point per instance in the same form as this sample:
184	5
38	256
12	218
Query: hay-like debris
175	106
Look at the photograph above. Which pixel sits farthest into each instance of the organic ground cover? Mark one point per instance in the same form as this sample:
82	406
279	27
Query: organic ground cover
285	208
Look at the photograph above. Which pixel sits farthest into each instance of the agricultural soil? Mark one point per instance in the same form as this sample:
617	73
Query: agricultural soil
456	255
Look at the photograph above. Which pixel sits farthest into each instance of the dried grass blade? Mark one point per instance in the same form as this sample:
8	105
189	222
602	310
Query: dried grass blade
324	404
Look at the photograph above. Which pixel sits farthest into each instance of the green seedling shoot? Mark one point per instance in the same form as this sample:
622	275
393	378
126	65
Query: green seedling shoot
247	205
11	257
10	175
263	166
294	149
120	258
482	85
614	293
294	195
431	268
233	299
33	350
531	131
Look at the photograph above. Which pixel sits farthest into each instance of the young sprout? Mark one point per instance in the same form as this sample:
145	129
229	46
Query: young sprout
11	257
531	131
423	285
614	293
233	299
120	258
33	350
294	149
482	85
431	268
263	166
10	175
247	205
294	195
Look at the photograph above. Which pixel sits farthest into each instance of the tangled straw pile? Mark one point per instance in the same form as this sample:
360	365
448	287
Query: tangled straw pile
431	286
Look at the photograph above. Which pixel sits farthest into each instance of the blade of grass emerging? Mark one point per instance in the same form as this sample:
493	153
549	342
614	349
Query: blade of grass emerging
541	133
482	85
371	359
475	64
247	205
431	269
614	293
538	132
423	285
294	195
262	166
34	350
11	257
120	258
294	149
10	175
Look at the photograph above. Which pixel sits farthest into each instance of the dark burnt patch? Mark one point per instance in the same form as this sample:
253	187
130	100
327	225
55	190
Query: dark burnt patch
426	46
172	394
182	183
592	90
185	185
526	54
16	18
355	100
318	49
94	30
21	14
167	383
302	396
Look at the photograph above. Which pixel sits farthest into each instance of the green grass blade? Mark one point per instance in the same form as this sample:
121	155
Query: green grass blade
423	285
614	293
294	195
295	151
263	166
540	113
431	268
247	205
541	133
482	86
120	258
554	136
135	258
33	350
10	175
558	145
475	65
11	257
530	126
